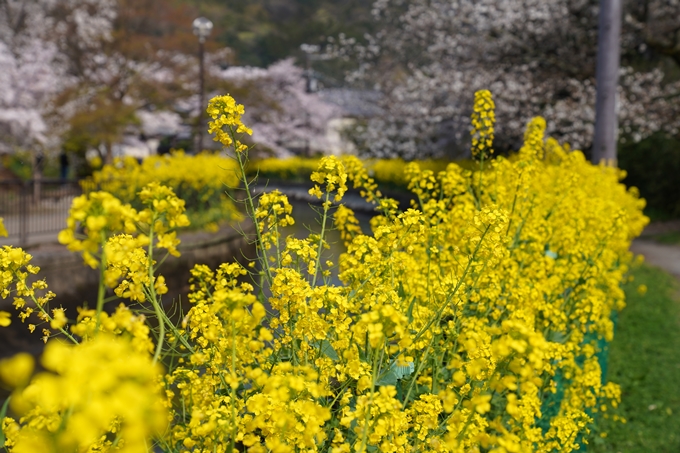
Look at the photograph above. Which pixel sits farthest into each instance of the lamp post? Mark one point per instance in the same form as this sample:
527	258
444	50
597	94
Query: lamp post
202	28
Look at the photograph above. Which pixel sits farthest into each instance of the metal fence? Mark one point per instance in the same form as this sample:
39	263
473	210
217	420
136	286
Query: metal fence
36	207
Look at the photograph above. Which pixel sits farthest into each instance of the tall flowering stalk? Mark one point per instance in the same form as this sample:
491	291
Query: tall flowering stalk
483	120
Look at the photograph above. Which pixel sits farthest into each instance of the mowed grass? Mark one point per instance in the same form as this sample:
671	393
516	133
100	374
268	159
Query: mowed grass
645	360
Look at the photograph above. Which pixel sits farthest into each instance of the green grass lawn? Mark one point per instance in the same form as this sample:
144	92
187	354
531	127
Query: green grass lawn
645	360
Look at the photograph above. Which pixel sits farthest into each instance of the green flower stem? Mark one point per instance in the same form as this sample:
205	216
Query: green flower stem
232	440
364	434
323	233
152	292
250	208
101	292
479	181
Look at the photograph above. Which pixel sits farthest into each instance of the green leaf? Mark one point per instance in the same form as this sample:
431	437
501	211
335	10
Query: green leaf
389	378
409	312
396	373
557	337
3	414
403	371
327	349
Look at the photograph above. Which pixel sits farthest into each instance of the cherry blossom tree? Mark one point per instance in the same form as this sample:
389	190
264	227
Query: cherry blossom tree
31	75
143	65
428	57
78	70
280	110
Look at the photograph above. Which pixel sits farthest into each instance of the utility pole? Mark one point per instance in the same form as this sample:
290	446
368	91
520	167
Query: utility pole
607	78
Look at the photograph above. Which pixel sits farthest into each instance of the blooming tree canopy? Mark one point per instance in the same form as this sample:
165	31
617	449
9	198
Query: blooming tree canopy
76	71
33	36
282	113
79	74
536	56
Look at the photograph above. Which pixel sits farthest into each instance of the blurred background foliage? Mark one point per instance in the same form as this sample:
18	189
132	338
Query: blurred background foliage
150	61
261	32
653	166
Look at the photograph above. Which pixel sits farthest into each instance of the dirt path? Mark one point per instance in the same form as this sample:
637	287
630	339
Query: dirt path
665	256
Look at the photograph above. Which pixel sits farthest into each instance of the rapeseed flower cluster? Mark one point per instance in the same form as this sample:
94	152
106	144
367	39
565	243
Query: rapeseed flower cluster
330	172
202	181
226	122
100	395
456	323
119	241
29	298
105	391
483	120
93	218
387	172
96	217
470	322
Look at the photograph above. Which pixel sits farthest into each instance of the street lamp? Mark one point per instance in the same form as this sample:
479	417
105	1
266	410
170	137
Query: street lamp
202	28
311	53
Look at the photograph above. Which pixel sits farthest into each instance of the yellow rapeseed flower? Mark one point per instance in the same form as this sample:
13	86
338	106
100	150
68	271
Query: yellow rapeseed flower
226	121
90	396
17	370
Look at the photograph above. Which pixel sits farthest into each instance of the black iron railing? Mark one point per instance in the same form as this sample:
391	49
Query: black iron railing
36	207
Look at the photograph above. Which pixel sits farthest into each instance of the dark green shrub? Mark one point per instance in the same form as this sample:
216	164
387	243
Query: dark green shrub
653	166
